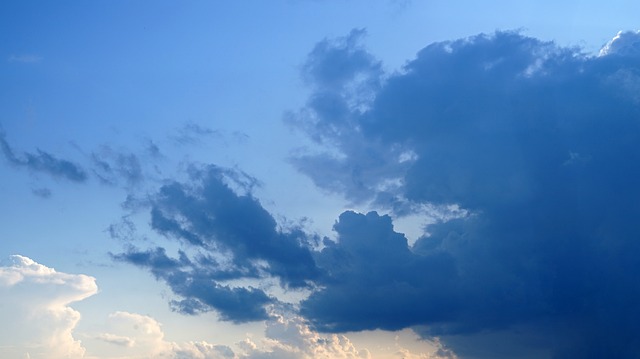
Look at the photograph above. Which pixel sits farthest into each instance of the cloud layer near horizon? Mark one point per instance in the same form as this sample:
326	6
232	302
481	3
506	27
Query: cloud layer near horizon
35	301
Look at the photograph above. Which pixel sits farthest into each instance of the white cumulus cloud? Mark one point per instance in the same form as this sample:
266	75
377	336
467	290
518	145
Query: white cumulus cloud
136	336
288	336
35	300
626	43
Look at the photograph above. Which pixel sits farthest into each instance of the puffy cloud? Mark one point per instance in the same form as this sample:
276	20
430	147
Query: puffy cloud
35	300
289	336
44	162
374	280
135	336
539	145
625	43
233	236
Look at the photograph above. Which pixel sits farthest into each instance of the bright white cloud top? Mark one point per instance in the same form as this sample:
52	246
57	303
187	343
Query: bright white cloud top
34	305
625	43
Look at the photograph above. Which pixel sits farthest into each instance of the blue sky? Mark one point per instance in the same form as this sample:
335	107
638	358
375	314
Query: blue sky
319	179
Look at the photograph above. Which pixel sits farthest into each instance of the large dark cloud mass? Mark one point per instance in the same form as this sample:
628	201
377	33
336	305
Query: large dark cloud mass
374	280
541	144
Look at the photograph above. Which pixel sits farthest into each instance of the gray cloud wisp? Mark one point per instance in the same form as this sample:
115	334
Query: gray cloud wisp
43	162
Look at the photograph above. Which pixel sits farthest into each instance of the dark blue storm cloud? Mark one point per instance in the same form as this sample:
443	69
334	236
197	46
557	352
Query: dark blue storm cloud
537	144
43	162
540	144
374	280
196	282
235	238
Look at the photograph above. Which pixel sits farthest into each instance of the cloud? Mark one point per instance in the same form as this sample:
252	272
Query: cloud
111	166
136	336
288	336
35	300
375	281
192	133
536	143
25	58
344	79
625	43
232	237
42	192
44	162
116	339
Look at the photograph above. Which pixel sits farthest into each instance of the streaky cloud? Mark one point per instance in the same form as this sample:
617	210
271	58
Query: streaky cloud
24	58
111	166
43	162
192	133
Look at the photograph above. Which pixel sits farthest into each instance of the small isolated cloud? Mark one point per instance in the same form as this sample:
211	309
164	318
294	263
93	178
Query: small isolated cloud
192	133
113	167
34	300
24	58
42	192
43	162
124	229
152	150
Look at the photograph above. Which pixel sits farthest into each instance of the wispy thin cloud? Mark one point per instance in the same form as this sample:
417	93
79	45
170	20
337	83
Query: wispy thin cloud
192	133
43	162
24	58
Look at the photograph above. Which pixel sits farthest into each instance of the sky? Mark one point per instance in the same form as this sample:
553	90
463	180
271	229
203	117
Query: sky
319	179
